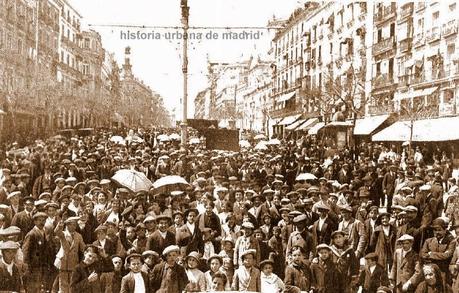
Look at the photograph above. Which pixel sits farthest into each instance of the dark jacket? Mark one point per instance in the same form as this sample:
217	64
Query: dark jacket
325	278
177	276
37	250
370	282
79	281
128	283
157	243
10	282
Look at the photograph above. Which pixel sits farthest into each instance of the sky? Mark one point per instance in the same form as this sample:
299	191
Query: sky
157	60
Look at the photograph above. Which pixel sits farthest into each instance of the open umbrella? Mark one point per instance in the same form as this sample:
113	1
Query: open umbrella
306	176
244	144
195	140
137	139
261	146
117	139
274	141
170	183
162	137
259	136
132	180
174	136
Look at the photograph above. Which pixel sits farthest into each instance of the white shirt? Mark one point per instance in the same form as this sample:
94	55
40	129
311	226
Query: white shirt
372	269
191	227
139	283
102	243
321	223
163	234
9	267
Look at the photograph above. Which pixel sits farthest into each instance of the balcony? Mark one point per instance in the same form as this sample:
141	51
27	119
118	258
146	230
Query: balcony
419	40
380	109
407	10
420	6
405	45
433	34
384	46
447	109
404	80
449	28
287	111
386	14
383	80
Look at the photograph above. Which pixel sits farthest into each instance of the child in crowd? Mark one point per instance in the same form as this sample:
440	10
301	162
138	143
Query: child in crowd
297	274
325	276
196	278
136	280
374	275
247	276
209	248
270	282
214	262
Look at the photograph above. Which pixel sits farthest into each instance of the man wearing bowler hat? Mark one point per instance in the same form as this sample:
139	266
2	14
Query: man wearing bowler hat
405	273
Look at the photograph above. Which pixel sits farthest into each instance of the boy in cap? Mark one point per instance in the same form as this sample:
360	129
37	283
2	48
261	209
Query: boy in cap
345	260
247	276
245	242
162	237
10	277
373	276
168	276
383	241
87	274
325	277
136	280
297	273
270	282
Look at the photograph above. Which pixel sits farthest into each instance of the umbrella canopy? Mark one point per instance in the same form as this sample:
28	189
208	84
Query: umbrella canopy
195	140
137	139
274	141
170	183
162	137
259	136
306	176
117	139
132	180
244	144
261	146
174	136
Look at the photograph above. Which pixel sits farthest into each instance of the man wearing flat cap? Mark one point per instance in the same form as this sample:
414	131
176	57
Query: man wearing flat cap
324	226
10	277
168	276
38	250
440	248
301	237
162	237
405	274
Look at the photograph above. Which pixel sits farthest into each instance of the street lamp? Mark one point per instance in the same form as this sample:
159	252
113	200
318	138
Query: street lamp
185	15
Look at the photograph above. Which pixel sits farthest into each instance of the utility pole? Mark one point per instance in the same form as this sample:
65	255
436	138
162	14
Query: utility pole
185	16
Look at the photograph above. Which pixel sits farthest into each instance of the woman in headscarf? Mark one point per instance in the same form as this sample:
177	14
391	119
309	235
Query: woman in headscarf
433	282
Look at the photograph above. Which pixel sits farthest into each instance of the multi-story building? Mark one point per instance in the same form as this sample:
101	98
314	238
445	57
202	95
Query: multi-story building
224	80
202	104
93	55
17	44
136	98
256	96
69	69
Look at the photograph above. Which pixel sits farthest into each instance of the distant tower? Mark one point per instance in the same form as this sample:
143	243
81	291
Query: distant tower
127	67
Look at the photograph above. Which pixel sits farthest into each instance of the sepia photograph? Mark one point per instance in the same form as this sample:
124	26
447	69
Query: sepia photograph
257	146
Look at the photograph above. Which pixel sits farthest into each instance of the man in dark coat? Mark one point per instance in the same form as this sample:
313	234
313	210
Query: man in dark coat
373	276
87	275
210	220
168	276
189	236
37	261
161	238
324	226
388	184
23	219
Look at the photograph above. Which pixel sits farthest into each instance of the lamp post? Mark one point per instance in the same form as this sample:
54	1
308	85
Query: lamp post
185	15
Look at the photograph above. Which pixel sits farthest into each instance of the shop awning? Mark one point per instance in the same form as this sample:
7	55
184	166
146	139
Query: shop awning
289	119
339	123
316	128
416	93
285	97
308	124
295	124
428	130
367	125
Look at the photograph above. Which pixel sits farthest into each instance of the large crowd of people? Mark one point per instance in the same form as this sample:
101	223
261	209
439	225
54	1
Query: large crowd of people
295	217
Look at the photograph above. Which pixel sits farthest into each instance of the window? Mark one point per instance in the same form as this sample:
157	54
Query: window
392	29
379	35
378	68
391	68
435	15
68	60
452	7
451	49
